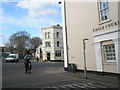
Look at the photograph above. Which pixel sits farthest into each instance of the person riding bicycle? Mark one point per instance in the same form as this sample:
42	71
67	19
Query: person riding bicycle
27	64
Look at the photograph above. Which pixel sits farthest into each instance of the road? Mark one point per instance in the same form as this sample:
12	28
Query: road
45	76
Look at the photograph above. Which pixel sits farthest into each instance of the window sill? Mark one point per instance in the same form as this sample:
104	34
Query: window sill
102	22
110	61
58	57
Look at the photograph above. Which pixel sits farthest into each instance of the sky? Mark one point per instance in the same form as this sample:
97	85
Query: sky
27	15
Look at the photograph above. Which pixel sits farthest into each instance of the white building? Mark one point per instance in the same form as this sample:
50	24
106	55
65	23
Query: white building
52	48
38	52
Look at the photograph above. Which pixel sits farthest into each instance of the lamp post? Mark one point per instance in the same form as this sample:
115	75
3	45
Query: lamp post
85	68
63	3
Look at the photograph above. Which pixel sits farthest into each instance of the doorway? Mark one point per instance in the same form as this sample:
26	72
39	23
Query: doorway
48	55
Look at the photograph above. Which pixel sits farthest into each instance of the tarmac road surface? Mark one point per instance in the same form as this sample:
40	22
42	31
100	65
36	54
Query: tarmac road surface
50	76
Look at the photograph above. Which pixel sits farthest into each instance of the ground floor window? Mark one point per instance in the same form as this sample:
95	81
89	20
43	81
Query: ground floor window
109	53
58	53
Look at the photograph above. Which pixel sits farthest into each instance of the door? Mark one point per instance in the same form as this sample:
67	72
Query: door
48	56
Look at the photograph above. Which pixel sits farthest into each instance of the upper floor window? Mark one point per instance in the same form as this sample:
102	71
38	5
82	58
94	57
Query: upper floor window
47	44
58	43
47	35
103	10
57	34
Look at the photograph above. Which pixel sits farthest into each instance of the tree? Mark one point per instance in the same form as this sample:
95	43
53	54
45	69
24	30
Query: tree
35	42
19	41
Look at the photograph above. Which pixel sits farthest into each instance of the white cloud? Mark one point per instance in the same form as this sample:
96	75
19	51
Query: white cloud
39	14
39	8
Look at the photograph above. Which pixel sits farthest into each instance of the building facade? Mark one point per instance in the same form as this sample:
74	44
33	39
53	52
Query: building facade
98	22
52	47
38	52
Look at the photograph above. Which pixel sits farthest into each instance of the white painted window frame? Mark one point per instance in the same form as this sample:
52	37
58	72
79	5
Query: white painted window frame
58	53
105	57
103	9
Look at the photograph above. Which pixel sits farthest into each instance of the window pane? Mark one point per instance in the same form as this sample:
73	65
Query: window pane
106	51
102	18
114	58
57	43
106	47
103	11
103	4
106	4
109	52
113	47
111	58
107	58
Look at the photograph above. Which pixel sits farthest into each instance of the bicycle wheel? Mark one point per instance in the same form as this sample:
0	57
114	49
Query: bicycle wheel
26	69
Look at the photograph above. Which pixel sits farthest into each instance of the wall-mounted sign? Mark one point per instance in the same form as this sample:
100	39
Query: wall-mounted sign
106	26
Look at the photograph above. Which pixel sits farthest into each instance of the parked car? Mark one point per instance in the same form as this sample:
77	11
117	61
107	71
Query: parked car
12	58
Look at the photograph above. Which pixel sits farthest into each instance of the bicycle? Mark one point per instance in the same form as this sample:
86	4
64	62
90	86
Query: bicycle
28	68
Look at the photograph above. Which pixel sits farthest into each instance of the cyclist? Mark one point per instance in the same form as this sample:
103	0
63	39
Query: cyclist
27	64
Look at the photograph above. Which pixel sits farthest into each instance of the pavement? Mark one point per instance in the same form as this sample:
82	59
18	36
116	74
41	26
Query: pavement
93	81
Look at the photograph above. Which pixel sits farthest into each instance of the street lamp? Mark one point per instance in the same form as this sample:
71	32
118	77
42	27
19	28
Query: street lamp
63	3
85	68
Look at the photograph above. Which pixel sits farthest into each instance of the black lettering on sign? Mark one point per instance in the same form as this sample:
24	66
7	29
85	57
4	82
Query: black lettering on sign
107	26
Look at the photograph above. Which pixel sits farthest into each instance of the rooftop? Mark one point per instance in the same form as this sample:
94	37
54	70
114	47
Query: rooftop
53	26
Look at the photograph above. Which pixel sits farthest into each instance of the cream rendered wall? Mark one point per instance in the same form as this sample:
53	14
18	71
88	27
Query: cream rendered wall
81	19
113	8
104	35
50	49
60	39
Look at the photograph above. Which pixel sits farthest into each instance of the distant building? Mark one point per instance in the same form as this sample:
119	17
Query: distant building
52	47
97	21
38	52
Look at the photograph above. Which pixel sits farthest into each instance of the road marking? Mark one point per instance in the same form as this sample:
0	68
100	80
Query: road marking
96	86
78	86
103	83
64	87
69	86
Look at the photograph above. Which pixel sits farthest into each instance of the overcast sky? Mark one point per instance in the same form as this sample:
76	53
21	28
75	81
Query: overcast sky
28	15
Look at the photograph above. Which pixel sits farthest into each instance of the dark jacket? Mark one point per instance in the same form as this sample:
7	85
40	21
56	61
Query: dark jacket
27	62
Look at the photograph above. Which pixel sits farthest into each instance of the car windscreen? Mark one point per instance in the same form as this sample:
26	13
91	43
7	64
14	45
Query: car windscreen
10	56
